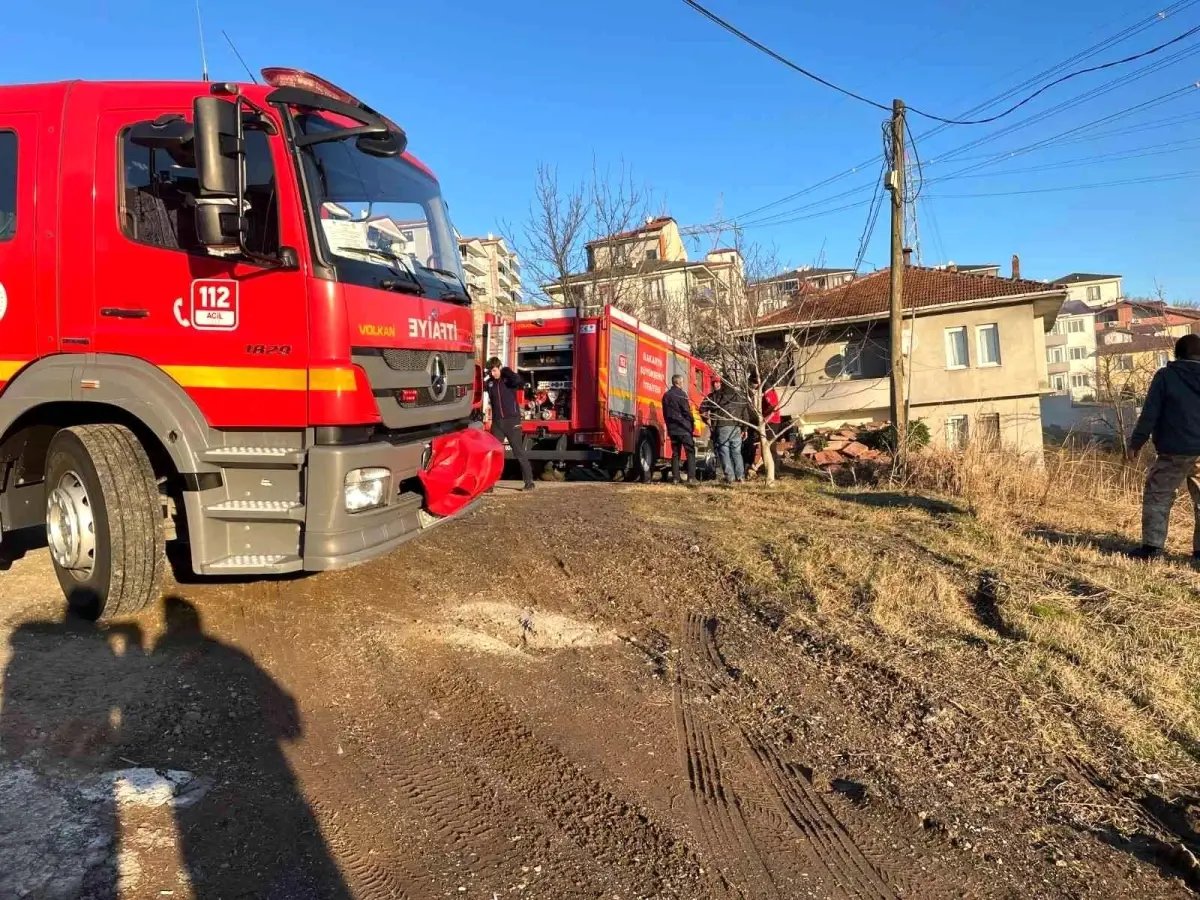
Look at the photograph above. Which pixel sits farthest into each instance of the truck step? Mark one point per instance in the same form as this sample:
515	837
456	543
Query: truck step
253	457
258	564
257	510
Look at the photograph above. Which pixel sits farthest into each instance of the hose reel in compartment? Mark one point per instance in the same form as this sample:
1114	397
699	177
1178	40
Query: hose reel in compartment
549	363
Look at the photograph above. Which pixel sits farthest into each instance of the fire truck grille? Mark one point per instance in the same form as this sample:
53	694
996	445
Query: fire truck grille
418	360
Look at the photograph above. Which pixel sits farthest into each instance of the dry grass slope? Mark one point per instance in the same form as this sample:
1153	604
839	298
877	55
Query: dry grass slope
998	588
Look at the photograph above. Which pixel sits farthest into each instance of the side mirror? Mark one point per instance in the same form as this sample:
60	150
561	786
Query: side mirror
220	219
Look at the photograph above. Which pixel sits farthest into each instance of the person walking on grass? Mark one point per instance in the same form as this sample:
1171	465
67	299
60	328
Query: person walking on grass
677	416
727	413
503	390
1171	418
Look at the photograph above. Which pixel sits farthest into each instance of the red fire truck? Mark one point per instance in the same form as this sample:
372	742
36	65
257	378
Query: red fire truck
595	388
232	319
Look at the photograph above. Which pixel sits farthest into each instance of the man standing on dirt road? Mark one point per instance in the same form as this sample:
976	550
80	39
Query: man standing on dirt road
677	415
503	385
727	414
1171	416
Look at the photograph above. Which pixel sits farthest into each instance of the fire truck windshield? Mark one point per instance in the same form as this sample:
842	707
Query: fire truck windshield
381	220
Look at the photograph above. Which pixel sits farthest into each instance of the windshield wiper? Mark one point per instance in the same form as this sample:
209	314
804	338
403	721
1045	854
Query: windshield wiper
460	292
408	283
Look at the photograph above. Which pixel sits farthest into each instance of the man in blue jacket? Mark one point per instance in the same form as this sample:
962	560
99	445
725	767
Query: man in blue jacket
1171	417
504	387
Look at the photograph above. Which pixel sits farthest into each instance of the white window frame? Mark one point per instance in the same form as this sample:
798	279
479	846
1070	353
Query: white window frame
1081	351
980	331
1051	352
1058	382
1082	378
1075	326
949	332
1093	293
957	444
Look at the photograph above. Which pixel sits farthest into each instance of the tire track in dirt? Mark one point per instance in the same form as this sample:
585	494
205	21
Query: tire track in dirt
745	846
630	852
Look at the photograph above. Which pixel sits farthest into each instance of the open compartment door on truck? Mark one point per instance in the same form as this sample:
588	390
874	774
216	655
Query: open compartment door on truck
497	339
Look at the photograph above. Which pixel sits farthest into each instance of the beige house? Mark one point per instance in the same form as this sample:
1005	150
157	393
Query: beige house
975	348
1097	291
493	276
646	272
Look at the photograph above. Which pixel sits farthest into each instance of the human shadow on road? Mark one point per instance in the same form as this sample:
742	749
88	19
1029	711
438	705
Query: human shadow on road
80	700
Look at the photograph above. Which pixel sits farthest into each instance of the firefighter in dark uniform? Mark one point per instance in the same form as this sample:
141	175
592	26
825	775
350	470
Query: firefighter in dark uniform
503	389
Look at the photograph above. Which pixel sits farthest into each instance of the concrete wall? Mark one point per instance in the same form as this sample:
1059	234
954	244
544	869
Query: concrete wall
1020	421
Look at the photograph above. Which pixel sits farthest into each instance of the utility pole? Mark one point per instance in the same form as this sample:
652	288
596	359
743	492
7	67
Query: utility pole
896	318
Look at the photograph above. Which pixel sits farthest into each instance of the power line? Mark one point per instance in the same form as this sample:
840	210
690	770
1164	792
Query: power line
1151	179
1116	156
784	215
736	32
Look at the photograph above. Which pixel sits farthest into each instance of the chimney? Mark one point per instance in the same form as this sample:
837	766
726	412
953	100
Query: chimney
1016	266
907	256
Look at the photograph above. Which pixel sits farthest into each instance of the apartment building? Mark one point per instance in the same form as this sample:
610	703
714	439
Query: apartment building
975	347
646	272
1071	351
1095	291
775	293
493	274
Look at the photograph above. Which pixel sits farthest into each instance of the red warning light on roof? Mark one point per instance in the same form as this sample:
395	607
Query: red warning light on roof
296	78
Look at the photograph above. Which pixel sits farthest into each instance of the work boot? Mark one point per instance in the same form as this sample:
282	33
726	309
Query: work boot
529	486
1146	553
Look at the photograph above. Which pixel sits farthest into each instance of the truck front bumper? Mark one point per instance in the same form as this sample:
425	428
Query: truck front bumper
430	483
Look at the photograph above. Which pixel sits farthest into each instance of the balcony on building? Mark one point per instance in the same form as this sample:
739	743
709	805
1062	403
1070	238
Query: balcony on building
1058	368
1055	340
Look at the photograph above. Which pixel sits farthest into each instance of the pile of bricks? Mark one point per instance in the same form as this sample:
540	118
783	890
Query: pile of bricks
831	449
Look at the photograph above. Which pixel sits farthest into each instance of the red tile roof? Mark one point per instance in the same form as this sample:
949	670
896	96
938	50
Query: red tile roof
868	297
650	227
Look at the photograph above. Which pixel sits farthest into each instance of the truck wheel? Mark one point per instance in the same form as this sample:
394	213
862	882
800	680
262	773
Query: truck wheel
104	521
645	458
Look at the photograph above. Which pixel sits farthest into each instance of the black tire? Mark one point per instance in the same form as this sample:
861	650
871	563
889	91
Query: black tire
129	555
645	458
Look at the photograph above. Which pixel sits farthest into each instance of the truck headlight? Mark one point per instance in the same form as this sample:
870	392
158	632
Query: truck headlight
366	488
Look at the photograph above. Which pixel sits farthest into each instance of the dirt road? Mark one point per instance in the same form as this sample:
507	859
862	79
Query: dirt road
534	702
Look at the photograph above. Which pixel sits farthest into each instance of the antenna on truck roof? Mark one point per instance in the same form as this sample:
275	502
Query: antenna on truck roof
203	55
239	56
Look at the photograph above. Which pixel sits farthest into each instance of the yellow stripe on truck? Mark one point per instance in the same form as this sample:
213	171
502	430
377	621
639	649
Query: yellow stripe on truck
262	379
10	367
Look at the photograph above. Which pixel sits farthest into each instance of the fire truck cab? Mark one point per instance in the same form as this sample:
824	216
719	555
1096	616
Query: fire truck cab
232	319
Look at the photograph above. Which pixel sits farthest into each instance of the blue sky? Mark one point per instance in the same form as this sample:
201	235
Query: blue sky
487	90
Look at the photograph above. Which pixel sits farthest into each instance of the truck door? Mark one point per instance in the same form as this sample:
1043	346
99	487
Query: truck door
18	242
232	333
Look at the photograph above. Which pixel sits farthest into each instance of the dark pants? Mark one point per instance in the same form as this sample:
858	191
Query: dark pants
510	430
681	441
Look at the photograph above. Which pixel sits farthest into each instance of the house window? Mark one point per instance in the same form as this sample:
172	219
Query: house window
1075	326
1123	364
1059	327
989	431
957	432
1059	383
1163	359
1093	293
651	254
1078	352
987	339
159	186
1055	355
957	356
1079	380
8	185
658	290
606	293
852	359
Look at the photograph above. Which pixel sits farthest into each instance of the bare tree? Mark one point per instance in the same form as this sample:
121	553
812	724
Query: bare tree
1122	381
575	240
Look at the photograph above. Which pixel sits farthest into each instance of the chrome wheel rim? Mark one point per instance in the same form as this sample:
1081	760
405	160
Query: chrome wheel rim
70	526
